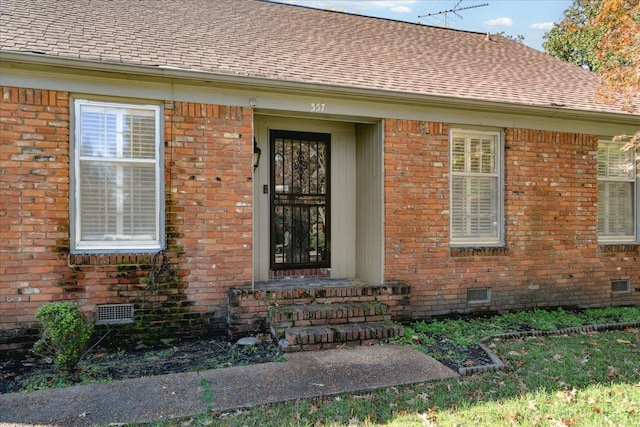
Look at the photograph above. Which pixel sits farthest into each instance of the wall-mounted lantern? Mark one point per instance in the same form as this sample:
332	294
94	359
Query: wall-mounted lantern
257	152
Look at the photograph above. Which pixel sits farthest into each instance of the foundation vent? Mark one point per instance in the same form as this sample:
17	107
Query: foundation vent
114	314
479	295
620	286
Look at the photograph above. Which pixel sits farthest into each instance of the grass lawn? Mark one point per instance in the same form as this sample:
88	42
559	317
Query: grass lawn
586	379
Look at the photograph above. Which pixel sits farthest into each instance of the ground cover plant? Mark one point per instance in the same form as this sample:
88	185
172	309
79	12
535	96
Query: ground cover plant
578	379
454	341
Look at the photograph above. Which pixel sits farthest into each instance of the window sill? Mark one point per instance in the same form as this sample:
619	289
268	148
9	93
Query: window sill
614	248
107	259
463	252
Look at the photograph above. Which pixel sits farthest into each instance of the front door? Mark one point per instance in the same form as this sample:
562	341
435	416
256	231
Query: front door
299	200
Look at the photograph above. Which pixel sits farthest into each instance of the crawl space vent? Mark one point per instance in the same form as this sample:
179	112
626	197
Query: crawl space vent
479	295
114	314
619	286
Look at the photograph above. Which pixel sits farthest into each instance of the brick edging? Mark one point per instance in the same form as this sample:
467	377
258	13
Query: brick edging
497	364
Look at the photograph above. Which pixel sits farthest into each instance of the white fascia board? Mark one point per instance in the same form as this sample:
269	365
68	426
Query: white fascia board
277	97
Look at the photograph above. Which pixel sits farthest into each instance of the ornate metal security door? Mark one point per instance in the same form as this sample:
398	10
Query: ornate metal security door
299	199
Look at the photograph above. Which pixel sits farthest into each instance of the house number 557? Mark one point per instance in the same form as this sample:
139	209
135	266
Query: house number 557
317	108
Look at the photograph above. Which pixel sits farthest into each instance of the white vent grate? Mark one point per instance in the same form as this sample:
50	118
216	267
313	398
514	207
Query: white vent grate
479	295
620	286
114	314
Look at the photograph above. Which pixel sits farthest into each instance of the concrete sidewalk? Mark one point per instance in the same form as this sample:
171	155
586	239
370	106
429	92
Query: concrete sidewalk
303	375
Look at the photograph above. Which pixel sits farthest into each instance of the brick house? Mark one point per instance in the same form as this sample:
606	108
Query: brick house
444	171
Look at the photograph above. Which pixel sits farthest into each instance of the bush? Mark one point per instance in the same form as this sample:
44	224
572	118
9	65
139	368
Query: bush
65	334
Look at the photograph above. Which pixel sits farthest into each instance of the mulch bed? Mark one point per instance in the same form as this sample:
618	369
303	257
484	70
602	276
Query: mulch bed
32	372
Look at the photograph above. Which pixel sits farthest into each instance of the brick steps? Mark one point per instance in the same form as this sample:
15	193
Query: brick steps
319	313
322	337
307	327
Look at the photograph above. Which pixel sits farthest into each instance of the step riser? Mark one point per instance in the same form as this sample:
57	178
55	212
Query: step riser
332	321
328	314
328	337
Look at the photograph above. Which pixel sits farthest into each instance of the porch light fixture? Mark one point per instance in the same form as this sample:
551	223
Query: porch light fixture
257	152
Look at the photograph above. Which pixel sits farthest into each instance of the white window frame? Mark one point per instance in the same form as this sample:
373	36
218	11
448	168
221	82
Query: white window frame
631	178
479	241
116	243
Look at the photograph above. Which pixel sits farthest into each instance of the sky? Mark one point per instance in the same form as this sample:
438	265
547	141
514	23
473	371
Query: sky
529	18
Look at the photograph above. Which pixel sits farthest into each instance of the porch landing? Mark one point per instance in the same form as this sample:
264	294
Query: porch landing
319	313
310	283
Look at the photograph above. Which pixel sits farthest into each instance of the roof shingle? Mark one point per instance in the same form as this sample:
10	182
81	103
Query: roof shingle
297	44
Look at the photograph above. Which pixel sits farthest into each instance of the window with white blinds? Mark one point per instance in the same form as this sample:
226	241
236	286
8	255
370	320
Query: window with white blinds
476	188
617	189
117	177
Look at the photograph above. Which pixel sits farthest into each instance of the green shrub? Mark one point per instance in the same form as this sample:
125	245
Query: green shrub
65	334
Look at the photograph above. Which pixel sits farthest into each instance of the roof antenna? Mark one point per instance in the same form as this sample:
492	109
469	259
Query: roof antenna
455	9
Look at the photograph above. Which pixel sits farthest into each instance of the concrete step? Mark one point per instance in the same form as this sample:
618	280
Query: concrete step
289	316
322	337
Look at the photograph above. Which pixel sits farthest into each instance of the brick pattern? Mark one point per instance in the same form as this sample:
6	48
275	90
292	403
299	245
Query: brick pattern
209	201
208	169
34	200
325	314
324	337
300	272
551	256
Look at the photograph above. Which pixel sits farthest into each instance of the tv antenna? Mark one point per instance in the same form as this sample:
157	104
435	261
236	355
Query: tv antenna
455	9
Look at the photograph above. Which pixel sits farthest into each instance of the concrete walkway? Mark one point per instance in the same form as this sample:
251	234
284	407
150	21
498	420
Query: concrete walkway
303	375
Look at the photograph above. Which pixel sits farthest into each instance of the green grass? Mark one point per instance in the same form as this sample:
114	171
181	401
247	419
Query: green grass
469	331
450	341
586	379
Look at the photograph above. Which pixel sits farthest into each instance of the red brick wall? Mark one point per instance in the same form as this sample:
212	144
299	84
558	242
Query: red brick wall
208	168
551	256
34	200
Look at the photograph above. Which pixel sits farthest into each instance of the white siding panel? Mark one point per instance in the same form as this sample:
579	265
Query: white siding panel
343	203
369	203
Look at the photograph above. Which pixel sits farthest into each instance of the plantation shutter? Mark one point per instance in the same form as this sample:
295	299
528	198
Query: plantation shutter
475	188
118	176
616	188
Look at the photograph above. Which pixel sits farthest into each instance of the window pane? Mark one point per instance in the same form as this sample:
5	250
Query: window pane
117	202
139	136
614	163
615	209
98	131
482	155
616	192
473	207
475	188
117	132
458	158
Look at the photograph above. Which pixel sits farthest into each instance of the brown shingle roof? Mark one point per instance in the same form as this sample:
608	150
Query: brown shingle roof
297	44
